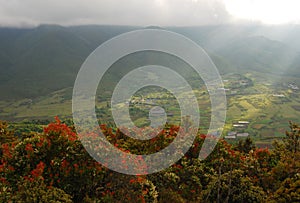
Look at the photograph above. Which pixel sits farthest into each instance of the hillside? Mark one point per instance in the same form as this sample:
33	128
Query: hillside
39	65
31	59
35	58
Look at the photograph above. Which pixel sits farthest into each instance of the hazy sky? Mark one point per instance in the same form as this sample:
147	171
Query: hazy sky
147	12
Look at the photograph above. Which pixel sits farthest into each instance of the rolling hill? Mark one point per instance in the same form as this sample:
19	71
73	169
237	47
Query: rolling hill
36	62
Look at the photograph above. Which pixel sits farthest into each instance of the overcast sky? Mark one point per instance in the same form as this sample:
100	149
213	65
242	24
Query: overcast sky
147	12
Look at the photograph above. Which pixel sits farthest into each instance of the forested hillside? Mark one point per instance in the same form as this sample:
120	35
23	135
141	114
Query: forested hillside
30	59
52	165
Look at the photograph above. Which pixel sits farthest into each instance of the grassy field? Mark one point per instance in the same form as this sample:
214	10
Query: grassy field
58	103
266	102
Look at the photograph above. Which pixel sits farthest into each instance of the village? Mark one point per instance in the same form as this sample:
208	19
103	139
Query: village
238	130
245	98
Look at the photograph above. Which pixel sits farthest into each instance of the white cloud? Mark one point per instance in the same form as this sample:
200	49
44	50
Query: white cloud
266	11
146	12
121	12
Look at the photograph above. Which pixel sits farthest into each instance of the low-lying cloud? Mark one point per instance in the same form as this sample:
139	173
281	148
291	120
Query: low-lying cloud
116	12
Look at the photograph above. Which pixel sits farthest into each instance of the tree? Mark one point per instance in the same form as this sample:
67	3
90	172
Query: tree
246	145
288	152
241	189
292	139
289	191
6	135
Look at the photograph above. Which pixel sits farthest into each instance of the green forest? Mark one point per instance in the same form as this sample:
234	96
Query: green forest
51	165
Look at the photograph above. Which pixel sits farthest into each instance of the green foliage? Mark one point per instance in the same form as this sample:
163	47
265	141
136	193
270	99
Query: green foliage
234	187
6	135
287	151
292	140
65	162
37	191
53	166
168	195
245	145
6	193
289	191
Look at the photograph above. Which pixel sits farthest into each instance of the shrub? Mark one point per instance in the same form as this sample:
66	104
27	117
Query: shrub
38	192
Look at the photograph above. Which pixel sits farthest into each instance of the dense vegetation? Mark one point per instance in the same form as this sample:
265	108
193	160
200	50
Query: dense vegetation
53	166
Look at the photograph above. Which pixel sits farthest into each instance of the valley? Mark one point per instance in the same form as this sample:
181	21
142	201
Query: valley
260	73
265	105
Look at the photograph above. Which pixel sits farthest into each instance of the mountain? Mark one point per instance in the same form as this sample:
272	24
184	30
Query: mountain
259	54
37	61
47	58
265	49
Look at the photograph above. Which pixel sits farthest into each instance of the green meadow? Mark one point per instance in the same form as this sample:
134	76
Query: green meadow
268	106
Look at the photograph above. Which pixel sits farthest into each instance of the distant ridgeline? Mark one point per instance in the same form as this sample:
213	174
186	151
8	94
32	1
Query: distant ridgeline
37	61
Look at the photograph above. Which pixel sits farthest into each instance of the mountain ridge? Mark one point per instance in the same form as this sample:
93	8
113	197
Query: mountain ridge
40	60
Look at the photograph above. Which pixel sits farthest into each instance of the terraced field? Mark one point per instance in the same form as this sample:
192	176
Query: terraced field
268	106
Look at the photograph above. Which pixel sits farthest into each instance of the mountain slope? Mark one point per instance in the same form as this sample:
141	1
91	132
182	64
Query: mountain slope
43	59
38	61
260	54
